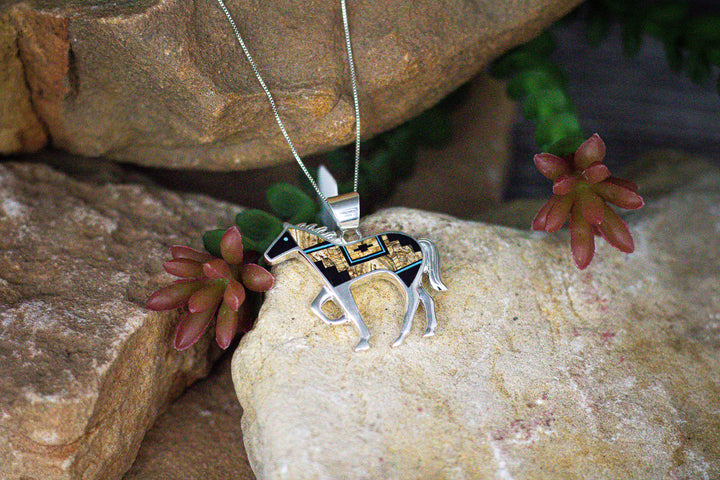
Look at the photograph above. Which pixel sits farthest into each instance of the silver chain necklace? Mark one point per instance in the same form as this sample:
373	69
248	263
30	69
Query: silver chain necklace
393	254
343	209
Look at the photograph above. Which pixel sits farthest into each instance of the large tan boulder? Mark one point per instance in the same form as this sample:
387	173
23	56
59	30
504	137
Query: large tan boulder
164	83
84	368
537	370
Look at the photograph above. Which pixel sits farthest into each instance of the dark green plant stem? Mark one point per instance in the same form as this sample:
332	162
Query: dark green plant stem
691	40
538	83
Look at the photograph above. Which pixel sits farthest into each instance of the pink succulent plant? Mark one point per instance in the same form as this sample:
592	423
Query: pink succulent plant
210	287
581	190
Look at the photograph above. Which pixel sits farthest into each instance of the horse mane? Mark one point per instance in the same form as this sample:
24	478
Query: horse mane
320	231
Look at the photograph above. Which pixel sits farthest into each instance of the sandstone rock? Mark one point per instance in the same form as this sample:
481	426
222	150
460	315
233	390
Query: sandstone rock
20	129
164	83
537	370
84	368
477	155
199	437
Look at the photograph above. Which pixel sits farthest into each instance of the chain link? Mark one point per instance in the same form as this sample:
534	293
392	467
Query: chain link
353	81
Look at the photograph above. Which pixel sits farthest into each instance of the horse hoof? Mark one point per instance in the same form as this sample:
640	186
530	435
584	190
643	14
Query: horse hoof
429	333
362	345
397	342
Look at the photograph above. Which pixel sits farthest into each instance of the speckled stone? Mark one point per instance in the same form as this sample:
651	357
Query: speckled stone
20	128
164	82
84	368
537	370
199	437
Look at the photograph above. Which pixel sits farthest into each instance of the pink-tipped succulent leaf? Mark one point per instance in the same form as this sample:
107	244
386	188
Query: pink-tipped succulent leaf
210	288
256	278
551	165
582	189
231	246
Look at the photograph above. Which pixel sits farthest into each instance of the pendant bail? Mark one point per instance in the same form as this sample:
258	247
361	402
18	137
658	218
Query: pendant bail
342	211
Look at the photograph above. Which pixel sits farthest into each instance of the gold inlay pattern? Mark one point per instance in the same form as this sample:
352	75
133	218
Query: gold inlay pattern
396	258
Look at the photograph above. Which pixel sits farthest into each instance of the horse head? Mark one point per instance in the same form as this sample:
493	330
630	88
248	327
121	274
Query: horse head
282	247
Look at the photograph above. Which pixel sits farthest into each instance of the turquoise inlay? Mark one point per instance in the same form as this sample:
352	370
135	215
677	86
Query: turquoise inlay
369	257
318	247
409	266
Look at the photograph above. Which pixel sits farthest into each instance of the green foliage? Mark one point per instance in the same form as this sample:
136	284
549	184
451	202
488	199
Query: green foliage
258	228
211	241
291	203
535	80
691	41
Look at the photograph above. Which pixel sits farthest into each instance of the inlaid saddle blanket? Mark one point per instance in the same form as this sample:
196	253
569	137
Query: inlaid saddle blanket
395	252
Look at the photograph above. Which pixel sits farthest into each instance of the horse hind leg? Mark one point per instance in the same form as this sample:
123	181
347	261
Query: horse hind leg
429	305
323	297
412	303
352	313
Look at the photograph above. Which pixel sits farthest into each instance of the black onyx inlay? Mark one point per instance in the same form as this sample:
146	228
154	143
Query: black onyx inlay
363	247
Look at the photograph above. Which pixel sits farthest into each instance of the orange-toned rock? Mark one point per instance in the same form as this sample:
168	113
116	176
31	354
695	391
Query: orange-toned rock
84	368
20	128
199	437
164	83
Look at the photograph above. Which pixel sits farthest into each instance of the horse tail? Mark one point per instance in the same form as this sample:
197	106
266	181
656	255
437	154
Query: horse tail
431	264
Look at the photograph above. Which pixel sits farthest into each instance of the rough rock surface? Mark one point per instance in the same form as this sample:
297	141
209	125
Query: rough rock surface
84	367
20	128
199	437
164	83
537	370
477	155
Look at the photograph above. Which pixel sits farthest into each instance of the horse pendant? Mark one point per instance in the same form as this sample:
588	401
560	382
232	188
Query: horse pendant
340	264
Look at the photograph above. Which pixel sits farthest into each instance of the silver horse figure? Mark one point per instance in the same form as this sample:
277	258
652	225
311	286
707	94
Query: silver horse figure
341	264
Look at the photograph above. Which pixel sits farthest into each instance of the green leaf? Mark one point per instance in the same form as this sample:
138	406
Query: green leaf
566	145
541	78
714	56
673	54
514	61
666	13
339	161
543	45
291	204
540	104
258	229
211	241
617	7
556	128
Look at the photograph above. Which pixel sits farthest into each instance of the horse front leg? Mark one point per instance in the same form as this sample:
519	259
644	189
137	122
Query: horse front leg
412	304
348	305
429	305
324	296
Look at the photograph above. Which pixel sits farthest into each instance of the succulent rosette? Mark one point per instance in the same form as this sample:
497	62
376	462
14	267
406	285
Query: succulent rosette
582	189
210	287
